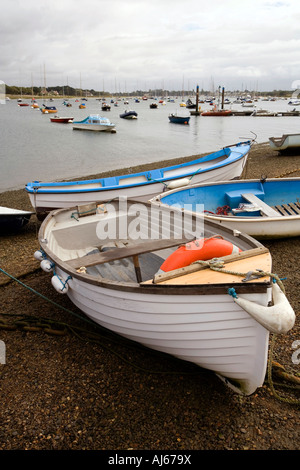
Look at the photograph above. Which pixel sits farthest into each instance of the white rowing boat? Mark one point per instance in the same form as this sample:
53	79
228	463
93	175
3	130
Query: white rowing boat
111	260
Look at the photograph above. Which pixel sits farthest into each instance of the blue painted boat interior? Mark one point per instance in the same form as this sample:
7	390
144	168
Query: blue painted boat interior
229	194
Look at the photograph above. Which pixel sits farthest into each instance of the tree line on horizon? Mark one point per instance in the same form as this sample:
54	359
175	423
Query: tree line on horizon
67	90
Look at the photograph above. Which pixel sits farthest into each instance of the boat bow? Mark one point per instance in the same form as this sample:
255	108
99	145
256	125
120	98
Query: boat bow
278	319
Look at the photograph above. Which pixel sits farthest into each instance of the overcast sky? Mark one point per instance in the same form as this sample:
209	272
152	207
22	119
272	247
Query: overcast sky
124	45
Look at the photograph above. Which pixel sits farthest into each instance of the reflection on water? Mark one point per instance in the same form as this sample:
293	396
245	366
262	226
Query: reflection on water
33	148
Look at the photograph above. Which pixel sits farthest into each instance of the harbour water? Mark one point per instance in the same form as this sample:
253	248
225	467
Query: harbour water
32	148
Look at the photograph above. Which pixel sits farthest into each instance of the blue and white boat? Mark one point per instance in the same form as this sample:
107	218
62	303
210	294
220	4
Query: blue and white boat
227	163
96	123
266	208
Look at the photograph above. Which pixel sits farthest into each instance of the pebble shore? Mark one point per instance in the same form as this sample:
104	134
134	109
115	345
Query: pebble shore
69	385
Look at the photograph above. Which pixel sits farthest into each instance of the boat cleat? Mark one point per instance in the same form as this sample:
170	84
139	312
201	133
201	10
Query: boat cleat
253	275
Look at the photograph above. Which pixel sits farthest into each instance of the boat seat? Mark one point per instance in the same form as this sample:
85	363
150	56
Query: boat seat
261	205
125	252
234	197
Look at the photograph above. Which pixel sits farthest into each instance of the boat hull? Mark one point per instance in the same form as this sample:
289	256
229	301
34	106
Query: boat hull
198	322
286	142
179	119
62	120
12	220
93	127
217	113
210	331
129	115
48	110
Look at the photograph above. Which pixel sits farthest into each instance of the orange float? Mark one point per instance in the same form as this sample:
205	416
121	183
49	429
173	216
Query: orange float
203	249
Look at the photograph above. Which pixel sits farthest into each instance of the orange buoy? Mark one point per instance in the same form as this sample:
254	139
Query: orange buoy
203	249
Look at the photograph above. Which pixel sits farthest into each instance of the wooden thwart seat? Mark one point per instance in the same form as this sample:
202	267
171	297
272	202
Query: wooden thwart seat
261	205
125	252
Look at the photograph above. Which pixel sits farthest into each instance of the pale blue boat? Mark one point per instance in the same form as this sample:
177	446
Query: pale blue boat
96	123
227	163
265	208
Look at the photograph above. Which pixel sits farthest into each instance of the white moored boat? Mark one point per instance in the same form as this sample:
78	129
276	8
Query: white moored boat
94	123
110	259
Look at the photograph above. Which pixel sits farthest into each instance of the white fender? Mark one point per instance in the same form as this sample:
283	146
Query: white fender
46	265
59	284
178	183
38	255
278	319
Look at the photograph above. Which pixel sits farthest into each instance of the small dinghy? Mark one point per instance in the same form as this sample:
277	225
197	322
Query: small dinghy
62	120
178	118
126	266
129	115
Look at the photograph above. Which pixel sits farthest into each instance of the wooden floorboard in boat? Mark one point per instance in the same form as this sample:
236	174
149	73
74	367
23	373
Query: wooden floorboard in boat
292	208
123	270
295	207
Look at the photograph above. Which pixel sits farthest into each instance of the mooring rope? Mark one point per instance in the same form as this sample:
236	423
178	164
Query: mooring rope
217	264
287	173
43	324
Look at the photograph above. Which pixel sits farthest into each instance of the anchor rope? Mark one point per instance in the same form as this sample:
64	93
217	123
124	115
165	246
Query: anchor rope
288	173
270	379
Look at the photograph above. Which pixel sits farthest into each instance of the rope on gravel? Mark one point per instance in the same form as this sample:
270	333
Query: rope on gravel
287	173
47	326
285	376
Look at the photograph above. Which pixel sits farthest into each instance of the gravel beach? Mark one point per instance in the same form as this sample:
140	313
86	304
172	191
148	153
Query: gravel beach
68	385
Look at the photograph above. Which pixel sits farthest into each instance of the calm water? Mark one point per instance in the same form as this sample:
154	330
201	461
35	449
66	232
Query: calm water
33	148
